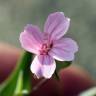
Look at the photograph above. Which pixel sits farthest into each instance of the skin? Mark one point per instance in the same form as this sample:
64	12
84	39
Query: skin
73	79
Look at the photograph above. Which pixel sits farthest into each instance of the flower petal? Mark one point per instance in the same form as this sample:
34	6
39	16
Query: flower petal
48	65
35	32
45	59
56	25
61	55
36	67
64	49
31	39
43	66
66	44
48	70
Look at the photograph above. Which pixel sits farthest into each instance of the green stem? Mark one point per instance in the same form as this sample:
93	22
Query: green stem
41	83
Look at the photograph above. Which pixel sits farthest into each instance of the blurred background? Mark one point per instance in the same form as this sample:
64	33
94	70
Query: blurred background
15	14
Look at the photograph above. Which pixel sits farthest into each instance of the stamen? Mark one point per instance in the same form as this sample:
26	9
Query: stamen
45	48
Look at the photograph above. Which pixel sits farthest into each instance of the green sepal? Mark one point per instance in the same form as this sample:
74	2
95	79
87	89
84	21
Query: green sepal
61	65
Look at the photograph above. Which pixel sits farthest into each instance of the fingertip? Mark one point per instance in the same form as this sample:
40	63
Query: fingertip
8	58
74	80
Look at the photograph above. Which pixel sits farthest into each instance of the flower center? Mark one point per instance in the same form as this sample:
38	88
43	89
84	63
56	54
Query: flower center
45	49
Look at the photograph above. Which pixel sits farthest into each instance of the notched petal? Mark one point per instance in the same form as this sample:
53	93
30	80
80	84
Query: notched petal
56	25
35	32
28	43
48	70
64	49
48	65
36	67
66	44
43	66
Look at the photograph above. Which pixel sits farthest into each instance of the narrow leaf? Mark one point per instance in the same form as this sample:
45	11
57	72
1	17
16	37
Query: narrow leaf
19	84
9	86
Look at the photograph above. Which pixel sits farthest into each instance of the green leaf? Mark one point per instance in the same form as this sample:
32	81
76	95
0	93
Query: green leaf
59	66
9	86
19	85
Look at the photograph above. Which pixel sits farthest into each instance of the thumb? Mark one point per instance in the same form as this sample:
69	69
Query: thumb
8	58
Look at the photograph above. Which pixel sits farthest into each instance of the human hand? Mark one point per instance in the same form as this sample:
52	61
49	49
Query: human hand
73	79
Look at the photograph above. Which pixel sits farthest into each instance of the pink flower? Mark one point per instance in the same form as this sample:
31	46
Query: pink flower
48	45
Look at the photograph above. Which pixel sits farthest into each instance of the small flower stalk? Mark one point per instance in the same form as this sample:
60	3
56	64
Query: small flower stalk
49	45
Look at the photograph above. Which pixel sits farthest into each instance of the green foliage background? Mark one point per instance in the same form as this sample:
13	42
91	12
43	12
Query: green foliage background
15	14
